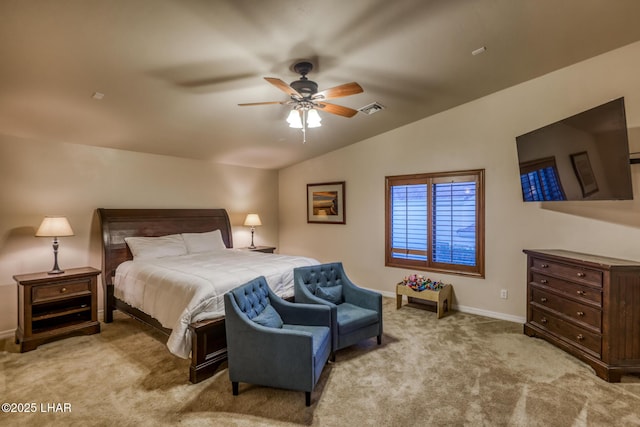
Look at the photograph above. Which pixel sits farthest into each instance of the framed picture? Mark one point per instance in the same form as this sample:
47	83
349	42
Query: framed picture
586	178
325	203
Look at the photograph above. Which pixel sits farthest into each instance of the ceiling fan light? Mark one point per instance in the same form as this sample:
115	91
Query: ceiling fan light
294	119
313	119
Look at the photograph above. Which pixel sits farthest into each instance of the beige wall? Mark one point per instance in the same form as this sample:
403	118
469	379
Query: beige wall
480	134
43	178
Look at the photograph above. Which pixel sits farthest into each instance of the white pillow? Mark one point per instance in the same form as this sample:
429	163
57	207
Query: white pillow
156	247
203	242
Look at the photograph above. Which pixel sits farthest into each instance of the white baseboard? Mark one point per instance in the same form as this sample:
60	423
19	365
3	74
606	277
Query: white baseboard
473	310
487	313
7	334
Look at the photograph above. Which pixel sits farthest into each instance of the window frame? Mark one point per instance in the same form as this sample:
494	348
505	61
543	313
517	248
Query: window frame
429	179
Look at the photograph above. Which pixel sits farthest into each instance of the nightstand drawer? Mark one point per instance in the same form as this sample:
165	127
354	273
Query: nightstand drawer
69	289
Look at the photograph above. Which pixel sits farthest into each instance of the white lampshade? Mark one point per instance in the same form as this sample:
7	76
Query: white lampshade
313	119
252	220
54	226
295	119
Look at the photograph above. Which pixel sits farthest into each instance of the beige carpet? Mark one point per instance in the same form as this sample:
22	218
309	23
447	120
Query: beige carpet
461	370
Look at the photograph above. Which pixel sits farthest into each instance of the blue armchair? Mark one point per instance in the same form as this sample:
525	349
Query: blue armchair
273	342
356	313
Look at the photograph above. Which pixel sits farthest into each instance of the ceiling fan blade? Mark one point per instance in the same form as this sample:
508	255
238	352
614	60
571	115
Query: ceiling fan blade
337	109
339	91
248	104
283	87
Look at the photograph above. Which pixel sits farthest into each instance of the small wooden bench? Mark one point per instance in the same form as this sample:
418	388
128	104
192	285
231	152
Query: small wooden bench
441	297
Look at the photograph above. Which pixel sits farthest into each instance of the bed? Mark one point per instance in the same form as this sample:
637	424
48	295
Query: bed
199	331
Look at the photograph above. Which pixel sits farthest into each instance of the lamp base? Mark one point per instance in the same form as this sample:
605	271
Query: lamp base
252	246
55	269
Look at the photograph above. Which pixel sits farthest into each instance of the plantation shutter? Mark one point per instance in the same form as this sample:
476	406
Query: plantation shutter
454	222
409	221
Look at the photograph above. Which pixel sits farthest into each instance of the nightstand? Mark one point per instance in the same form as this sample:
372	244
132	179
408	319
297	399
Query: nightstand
265	249
54	306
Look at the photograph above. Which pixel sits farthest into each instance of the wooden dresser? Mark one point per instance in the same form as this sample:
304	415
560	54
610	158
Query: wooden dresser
588	306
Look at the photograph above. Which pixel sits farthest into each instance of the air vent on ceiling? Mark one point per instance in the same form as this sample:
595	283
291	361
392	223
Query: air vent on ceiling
371	108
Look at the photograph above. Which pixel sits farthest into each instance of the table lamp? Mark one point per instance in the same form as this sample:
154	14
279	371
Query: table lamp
55	226
252	220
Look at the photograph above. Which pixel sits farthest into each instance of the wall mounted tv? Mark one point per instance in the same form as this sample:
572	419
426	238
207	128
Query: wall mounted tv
583	157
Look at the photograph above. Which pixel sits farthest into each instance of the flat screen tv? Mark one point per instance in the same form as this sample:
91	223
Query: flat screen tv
583	157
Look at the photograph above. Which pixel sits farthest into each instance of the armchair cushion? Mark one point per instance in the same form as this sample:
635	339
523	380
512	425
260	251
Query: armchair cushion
332	294
269	317
351	318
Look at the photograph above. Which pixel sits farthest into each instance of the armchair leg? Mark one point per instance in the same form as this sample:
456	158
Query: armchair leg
234	386
379	339
307	397
333	356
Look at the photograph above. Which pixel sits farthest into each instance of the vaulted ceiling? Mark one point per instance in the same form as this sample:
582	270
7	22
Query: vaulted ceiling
173	72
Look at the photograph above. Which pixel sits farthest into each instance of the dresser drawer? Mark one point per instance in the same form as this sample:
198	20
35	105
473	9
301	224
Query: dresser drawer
571	289
581	313
567	331
571	272
61	290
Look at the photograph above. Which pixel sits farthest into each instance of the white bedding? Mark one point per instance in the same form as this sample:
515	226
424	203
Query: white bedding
179	290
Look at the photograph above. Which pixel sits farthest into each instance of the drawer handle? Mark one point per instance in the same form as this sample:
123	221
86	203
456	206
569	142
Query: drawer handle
63	290
581	274
544	265
543	299
580	313
544	281
543	320
580	292
580	337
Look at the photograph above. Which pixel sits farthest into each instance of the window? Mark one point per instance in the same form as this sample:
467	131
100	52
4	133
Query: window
435	221
539	180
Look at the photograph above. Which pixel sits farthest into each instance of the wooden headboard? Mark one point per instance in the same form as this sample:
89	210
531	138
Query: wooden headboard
120	223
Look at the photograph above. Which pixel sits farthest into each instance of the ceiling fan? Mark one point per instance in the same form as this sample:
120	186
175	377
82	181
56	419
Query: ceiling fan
306	100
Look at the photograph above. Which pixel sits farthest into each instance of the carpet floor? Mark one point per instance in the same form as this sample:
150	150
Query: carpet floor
461	370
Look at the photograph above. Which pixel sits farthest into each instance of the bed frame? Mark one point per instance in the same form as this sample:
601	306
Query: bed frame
209	344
